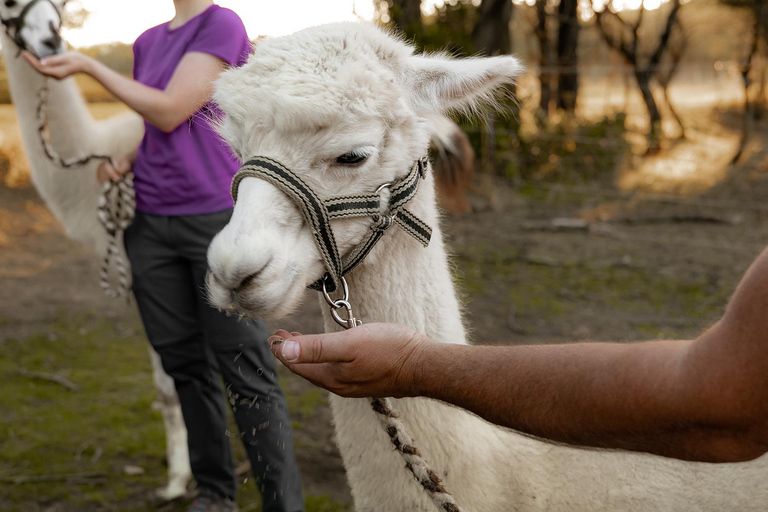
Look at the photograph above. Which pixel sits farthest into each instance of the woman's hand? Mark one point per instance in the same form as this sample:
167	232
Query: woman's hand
373	360
106	170
60	66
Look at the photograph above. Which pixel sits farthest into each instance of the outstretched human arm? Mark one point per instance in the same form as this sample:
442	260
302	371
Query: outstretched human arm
188	91
704	400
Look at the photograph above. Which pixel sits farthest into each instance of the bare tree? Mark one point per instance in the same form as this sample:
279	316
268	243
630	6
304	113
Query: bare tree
568	29
404	14
556	28
666	72
624	37
546	58
75	14
491	32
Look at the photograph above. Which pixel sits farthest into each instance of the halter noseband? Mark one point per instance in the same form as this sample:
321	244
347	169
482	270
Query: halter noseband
319	213
17	25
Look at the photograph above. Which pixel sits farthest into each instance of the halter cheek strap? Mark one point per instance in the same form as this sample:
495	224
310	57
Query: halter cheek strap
319	213
17	24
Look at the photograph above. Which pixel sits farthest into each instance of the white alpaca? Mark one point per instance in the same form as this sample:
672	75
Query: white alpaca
308	98
72	194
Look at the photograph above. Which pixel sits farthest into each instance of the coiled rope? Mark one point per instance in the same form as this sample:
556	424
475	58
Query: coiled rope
116	207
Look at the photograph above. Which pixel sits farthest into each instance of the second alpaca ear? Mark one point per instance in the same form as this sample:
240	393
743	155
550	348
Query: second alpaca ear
440	84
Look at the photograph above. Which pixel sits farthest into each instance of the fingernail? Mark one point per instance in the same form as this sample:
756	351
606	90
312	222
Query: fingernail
275	340
290	351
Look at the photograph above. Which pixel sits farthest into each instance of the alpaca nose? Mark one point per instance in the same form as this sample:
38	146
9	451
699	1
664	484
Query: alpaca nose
239	278
54	41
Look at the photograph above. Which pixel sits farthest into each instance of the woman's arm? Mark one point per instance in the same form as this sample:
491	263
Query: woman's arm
188	91
703	400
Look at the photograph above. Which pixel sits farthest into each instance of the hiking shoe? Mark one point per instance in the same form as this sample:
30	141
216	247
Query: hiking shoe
210	503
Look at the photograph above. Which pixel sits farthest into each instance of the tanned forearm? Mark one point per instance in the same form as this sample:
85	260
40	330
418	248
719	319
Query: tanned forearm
603	395
703	400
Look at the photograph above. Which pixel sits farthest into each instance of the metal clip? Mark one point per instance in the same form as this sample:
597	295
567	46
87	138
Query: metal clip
336	305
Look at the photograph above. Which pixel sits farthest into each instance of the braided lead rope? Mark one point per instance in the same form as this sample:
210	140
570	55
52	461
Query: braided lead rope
116	207
414	462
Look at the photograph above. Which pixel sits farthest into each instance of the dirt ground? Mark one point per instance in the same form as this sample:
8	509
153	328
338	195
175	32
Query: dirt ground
626	266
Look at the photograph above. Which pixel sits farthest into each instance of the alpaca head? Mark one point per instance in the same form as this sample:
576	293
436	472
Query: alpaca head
34	24
347	108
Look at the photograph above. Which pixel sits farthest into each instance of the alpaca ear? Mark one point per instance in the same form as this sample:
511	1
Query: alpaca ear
439	84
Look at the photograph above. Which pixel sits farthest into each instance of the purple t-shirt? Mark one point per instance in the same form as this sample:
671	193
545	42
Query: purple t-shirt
187	171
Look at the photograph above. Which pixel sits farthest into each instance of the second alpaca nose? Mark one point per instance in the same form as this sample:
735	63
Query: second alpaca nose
54	41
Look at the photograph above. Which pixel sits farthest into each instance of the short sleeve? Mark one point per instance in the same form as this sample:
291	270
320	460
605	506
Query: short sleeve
223	35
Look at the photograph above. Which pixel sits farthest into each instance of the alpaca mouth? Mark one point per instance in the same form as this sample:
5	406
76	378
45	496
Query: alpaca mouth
253	299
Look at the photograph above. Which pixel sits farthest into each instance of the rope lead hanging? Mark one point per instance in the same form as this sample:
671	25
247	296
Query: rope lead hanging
116	207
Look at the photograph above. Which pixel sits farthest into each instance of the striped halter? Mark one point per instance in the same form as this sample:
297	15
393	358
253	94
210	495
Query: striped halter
319	213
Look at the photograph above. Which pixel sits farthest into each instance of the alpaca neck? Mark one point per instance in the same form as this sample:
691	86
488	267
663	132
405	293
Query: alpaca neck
404	283
71	194
70	124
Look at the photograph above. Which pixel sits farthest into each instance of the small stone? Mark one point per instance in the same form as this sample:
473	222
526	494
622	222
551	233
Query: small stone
131	470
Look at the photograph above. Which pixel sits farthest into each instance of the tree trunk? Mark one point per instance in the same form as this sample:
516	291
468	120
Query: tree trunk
491	34
545	59
748	117
405	14
643	77
567	55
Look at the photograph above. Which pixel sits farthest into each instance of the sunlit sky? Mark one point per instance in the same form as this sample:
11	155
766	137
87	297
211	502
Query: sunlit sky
125	20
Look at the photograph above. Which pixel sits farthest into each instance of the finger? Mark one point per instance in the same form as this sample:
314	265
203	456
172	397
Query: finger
319	348
123	167
113	175
321	375
31	59
54	60
282	333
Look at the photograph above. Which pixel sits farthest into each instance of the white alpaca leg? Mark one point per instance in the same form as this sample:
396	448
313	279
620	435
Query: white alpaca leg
177	452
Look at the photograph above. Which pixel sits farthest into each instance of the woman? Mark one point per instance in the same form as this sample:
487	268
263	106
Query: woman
182	175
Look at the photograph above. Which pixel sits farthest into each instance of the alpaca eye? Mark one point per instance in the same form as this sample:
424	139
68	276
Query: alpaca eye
10	3
353	158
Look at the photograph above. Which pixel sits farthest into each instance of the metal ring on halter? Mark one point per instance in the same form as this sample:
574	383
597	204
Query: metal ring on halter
345	294
382	187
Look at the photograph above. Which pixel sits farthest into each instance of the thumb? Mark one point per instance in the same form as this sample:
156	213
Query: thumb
318	348
123	166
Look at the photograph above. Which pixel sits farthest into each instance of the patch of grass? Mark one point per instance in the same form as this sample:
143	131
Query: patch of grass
108	423
46	429
324	504
563	290
302	407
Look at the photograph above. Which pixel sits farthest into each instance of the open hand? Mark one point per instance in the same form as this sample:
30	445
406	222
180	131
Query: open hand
59	66
373	360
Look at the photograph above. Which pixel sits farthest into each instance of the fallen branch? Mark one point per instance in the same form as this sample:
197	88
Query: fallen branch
56	378
32	479
693	219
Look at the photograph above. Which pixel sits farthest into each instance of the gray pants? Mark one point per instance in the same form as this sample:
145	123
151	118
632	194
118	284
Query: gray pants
198	345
